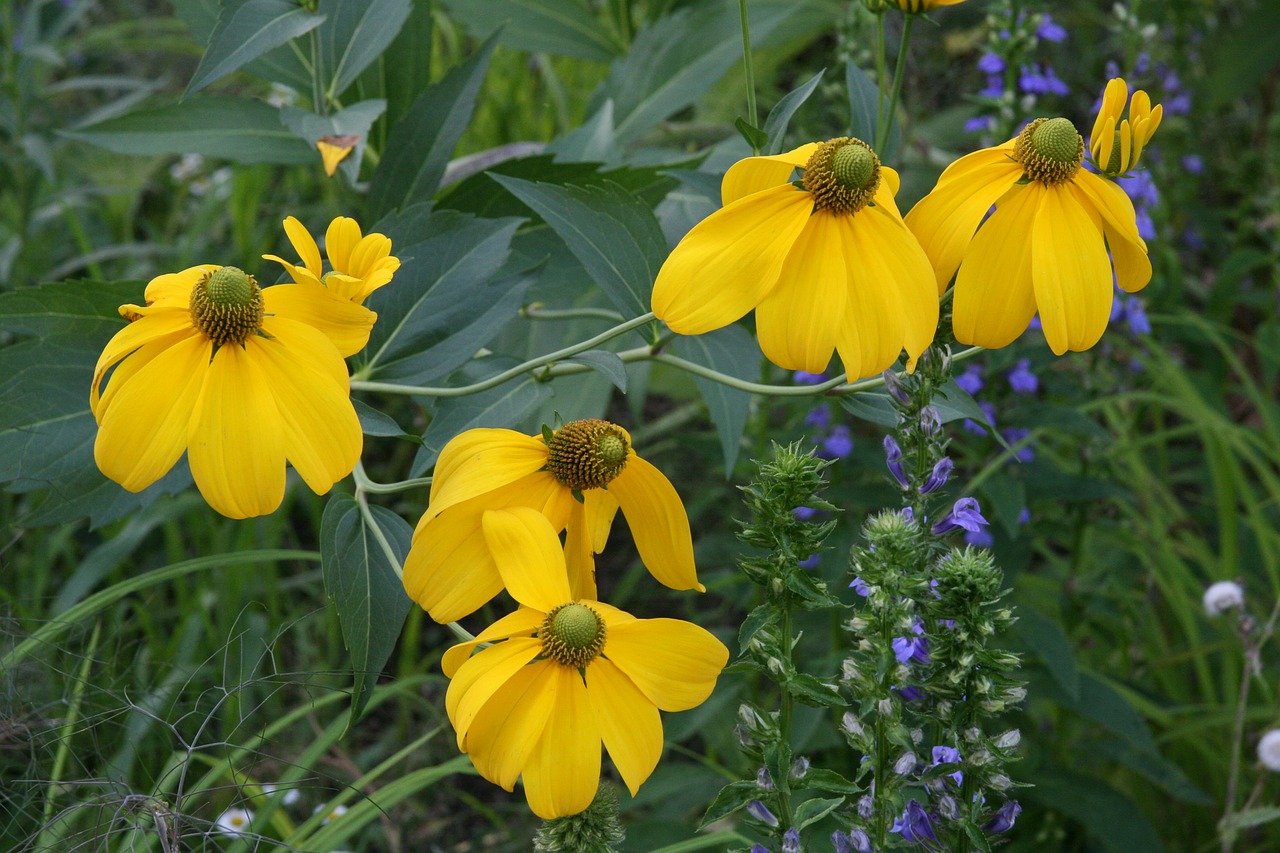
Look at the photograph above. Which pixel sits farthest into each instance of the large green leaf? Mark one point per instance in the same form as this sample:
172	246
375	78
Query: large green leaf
405	68
730	350
1109	816
422	142
354	35
558	27
361	558
238	129
1044	638
775	126
613	234
447	283
355	120
246	29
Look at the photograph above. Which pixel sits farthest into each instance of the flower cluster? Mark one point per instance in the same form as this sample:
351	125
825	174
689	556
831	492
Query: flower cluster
241	378
564	673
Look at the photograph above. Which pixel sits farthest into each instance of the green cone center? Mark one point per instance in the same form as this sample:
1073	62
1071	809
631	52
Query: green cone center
1050	150
573	635
587	454
227	306
842	175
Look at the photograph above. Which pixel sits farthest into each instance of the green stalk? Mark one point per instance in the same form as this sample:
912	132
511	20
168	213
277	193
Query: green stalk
899	73
65	733
748	70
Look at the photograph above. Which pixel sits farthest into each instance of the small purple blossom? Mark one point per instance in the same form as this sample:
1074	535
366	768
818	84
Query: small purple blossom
989	410
838	444
979	538
804	513
856	841
819	417
994	88
938	476
980	124
760	812
948	755
764	780
1024	517
916	825
1014	435
759	848
810	562
1021	379
911	649
893	459
911	694
893	385
1135	314
1139	187
1050	30
860	587
803	377
791	841
970	381
991	63
930	421
1041	80
965	514
1193	163
1004	818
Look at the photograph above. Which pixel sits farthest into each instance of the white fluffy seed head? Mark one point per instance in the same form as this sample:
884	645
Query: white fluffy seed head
1269	750
1223	596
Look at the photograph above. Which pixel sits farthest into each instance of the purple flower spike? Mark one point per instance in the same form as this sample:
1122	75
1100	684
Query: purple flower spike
760	812
948	755
911	649
893	458
1021	379
1004	819
938	476
1050	30
991	63
965	514
916	825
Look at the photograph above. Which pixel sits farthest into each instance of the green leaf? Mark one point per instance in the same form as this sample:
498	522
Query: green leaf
354	36
732	797
732	351
754	136
1045	639
809	690
612	233
775	126
976	837
1249	818
355	120
1106	705
557	27
829	780
864	97
870	406
422	142
406	64
811	811
607	364
240	129
758	619
246	29
449	297
362	579
1160	771
812	592
1243	56
1113	819
376	423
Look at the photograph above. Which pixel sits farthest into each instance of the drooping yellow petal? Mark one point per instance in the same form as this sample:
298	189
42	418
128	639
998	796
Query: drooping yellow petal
797	322
369	254
1128	249
342	321
475	682
165	326
522	623
658	523
481	460
235	442
1070	272
304	244
753	174
322	436
332	155
509	727
629	723
563	772
887	192
340	239
894	255
874	326
674	663
994	301
727	263
945	220
143	431
527	553
174	289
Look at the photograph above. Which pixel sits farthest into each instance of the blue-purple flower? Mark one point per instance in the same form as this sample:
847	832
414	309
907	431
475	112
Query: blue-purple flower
838	444
1015	436
948	755
1021	379
916	825
938	476
760	812
893	459
1004	818
971	380
911	649
965	514
1050	30
791	841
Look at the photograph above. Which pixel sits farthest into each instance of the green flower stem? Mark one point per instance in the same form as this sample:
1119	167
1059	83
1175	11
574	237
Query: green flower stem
748	69
537	312
495	381
899	73
880	75
787	819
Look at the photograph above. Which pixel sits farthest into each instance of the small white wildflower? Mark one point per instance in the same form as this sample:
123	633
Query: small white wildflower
234	822
281	96
187	167
291	796
332	815
1223	596
1269	750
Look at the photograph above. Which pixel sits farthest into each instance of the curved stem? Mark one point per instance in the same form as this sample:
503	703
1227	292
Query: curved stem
537	312
748	70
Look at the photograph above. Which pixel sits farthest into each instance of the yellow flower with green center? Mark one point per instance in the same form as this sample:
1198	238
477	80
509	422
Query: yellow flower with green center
827	264
1045	246
238	377
359	265
578	480
1116	143
564	675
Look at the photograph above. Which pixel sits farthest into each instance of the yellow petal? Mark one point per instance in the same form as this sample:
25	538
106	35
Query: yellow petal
1128	249
753	174
322	436
579	558
342	321
629	723
165	326
301	275
527	553
332	155
945	220
610	614
235	444
1070	272
797	322
522	623
481	460
873	326
143	431
994	301
507	730
885	195
729	261
674	663
367	254
563	772
174	289
658	523
1109	111
893	257
475	682
304	244
339	240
